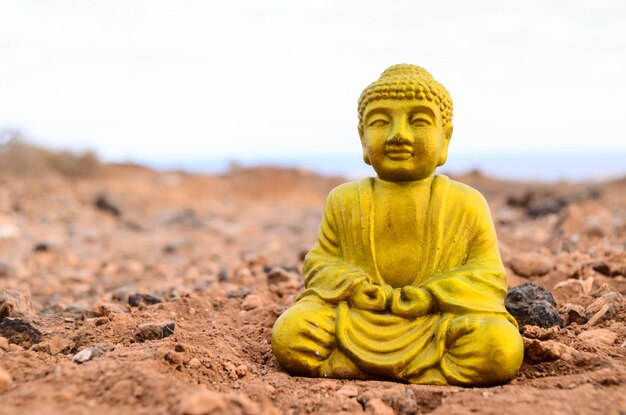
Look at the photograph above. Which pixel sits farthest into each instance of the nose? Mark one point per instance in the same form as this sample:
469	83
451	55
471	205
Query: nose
399	133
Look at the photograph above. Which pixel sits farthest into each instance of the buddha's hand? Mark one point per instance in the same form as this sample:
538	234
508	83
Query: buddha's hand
411	302
368	296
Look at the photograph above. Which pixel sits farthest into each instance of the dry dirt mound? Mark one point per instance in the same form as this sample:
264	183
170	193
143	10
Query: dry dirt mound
136	291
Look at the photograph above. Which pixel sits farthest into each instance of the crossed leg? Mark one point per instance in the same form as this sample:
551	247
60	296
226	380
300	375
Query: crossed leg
303	341
481	350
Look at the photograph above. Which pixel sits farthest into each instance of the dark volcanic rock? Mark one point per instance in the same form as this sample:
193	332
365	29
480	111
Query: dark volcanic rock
19	332
140	298
532	304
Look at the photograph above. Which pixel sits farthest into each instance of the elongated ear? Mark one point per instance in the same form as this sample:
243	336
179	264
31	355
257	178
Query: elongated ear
443	152
366	157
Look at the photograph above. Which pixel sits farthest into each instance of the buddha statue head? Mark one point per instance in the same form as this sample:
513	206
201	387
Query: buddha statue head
405	124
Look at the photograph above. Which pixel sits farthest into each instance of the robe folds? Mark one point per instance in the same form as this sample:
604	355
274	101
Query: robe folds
459	265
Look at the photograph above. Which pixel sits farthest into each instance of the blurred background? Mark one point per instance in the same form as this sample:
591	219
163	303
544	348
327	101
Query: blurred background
537	86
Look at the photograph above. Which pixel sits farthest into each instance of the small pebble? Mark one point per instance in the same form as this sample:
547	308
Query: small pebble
136	299
251	302
222	275
83	356
174	358
90	353
194	363
108	309
279	275
101	321
241	370
152	331
530	264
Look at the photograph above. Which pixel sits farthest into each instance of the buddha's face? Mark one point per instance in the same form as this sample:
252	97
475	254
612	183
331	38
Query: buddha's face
404	140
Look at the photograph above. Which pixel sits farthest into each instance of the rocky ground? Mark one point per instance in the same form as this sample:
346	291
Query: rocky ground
145	292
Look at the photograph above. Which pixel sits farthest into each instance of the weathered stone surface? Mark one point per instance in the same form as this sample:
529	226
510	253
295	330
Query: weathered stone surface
532	304
15	304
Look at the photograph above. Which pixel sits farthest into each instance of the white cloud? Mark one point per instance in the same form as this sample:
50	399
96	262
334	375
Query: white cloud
198	78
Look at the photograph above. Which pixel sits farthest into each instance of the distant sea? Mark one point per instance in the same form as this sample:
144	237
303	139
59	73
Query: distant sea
552	167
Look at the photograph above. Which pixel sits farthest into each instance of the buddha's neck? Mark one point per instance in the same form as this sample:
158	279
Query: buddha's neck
415	185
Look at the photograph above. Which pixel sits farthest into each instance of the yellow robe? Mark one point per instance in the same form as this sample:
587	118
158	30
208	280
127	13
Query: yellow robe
460	267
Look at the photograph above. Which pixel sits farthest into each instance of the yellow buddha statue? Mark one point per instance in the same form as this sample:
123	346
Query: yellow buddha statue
405	281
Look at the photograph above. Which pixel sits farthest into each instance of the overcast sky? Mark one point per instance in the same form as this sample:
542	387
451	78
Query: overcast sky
160	79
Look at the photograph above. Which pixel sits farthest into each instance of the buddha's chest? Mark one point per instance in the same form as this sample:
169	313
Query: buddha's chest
398	234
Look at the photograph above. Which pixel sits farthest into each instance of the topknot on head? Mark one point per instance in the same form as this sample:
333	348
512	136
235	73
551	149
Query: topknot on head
405	69
406	81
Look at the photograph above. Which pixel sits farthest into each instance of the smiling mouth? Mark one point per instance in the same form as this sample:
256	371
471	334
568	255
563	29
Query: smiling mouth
402	153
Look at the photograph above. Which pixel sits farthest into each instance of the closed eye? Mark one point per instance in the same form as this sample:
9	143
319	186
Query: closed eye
420	122
378	123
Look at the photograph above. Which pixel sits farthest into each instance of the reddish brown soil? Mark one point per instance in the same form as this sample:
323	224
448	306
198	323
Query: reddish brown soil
206	245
